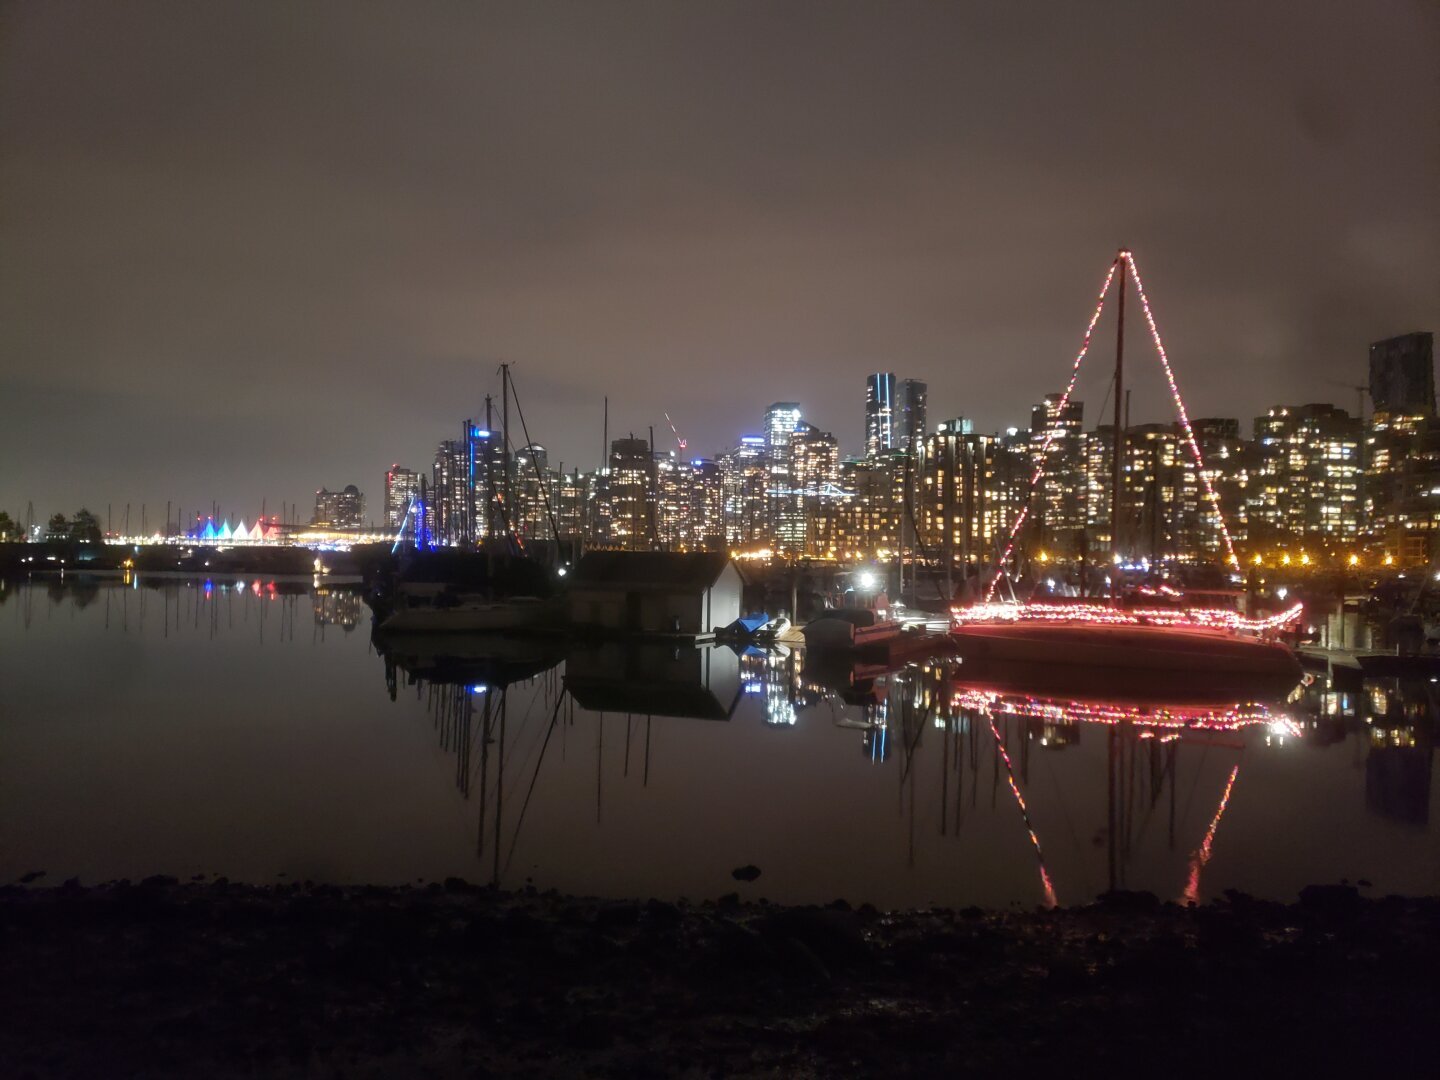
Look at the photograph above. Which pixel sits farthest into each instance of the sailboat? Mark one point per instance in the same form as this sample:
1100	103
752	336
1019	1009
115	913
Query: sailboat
1145	633
483	586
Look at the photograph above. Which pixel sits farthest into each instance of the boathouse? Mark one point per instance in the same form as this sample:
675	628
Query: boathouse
654	678
655	593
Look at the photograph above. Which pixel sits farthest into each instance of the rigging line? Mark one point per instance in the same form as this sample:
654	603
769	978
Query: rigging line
1051	431
1210	494
1065	813
1207	846
530	705
515	838
544	493
934	573
1004	754
1195	783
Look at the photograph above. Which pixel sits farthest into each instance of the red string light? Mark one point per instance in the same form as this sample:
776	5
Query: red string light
1167	718
1051	432
1202	855
1180	409
1219	619
1045	883
1128	259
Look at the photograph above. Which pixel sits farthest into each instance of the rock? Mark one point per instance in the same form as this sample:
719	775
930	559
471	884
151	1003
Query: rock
745	873
833	937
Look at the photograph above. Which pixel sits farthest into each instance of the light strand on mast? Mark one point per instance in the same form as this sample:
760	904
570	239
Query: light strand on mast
1050	433
1207	846
1181	411
1045	883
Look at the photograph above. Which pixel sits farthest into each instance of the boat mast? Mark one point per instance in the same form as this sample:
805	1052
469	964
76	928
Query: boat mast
1119	429
505	447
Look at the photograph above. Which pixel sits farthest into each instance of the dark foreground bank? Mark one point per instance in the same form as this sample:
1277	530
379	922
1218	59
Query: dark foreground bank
451	981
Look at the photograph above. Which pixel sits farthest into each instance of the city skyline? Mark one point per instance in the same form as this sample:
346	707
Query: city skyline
219	288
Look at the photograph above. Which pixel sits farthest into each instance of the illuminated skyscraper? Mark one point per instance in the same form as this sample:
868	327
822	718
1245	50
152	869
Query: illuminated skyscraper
781	420
815	469
401	487
1402	375
910	426
343	509
743	475
1402	466
629	494
879	413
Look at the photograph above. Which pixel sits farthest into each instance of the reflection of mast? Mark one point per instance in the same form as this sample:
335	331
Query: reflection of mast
1004	755
1202	854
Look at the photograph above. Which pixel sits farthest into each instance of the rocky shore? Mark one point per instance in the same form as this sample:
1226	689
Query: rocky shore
161	978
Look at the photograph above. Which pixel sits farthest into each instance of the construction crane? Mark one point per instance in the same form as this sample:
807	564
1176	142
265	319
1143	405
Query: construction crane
681	443
1360	393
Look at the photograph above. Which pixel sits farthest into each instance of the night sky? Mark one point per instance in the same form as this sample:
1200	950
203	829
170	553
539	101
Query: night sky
250	249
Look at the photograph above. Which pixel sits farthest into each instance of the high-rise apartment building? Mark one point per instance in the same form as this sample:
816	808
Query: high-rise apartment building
880	406
743	482
910	430
781	420
1402	375
402	487
815	471
344	509
1307	480
1402	466
630	495
963	511
1060	500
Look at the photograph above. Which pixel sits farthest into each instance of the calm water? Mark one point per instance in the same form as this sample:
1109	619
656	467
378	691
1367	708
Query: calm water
252	729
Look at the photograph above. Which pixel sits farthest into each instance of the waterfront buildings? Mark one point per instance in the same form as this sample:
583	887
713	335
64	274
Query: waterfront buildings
344	509
950	495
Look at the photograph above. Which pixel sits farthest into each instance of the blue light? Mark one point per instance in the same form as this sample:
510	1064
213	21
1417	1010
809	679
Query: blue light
479	688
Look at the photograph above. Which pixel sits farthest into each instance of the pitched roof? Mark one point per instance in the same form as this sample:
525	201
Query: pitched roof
688	569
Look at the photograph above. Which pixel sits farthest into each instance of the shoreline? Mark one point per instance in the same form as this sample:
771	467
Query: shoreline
161	978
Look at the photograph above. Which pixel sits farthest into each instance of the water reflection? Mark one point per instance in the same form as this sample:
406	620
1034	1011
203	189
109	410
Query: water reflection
656	769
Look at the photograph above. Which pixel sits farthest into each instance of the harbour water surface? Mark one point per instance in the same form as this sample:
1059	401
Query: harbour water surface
252	729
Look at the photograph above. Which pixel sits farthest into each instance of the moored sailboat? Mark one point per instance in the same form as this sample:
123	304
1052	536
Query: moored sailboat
1118	634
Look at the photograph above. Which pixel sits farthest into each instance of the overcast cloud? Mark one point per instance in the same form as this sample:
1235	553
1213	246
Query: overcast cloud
249	249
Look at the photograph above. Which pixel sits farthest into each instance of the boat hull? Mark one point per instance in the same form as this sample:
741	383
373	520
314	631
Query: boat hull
1124	648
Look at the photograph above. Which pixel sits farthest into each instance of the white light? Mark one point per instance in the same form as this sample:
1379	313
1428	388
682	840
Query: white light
867	579
1282	592
562	571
